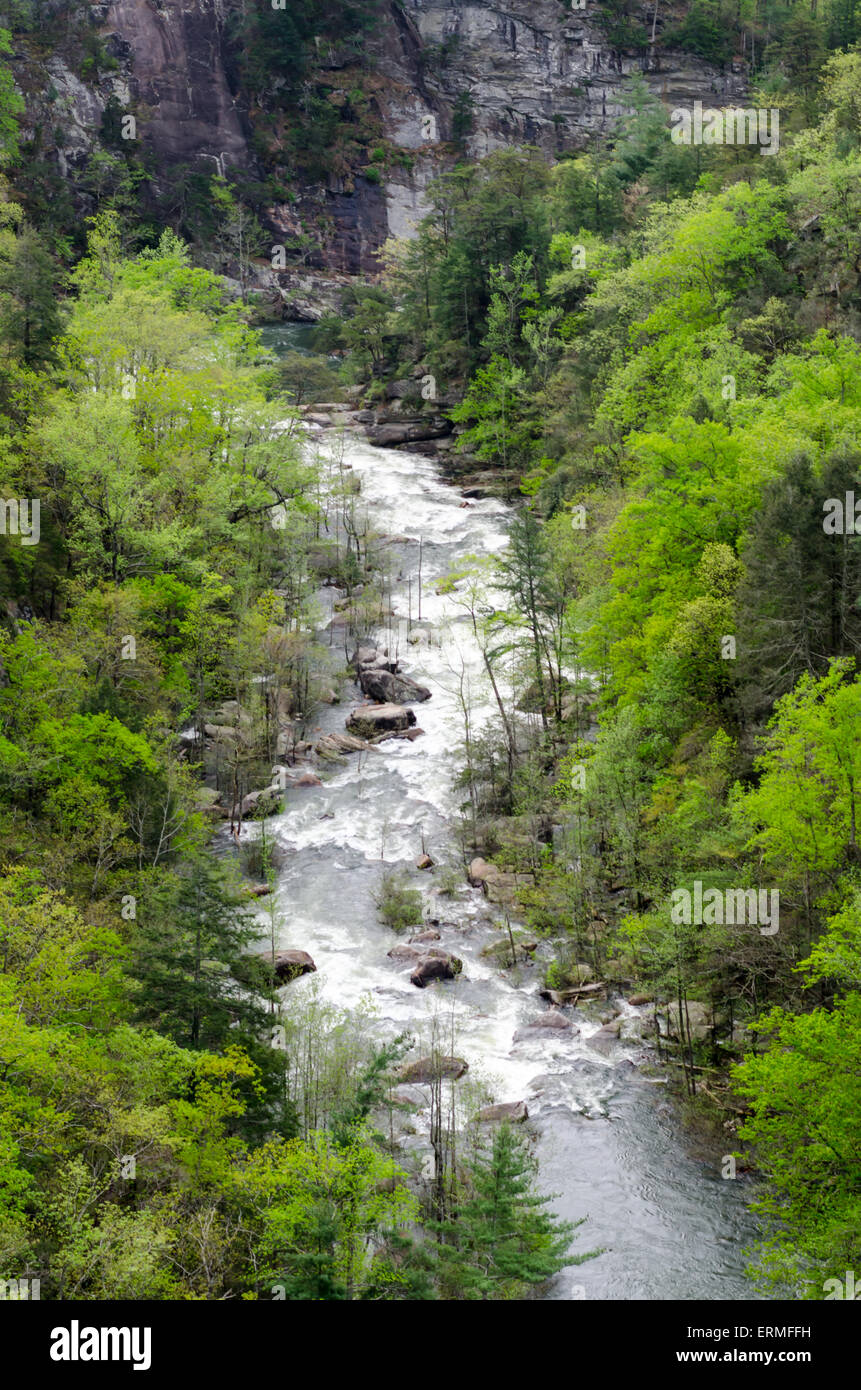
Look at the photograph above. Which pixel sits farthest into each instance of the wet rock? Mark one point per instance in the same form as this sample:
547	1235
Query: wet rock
388	688
266	802
288	965
514	1111
573	995
409	1097
499	952
634	1029
435	966
389	436
428	1069
604	1041
404	952
331	746
551	1022
369	721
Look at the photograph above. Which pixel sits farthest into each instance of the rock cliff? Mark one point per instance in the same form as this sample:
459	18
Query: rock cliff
486	72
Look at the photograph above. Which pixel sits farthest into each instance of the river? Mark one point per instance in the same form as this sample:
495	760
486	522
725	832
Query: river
608	1137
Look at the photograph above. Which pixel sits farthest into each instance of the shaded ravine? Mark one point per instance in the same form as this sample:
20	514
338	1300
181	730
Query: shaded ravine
608	1139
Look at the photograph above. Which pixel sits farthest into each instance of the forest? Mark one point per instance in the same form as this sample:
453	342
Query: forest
652	351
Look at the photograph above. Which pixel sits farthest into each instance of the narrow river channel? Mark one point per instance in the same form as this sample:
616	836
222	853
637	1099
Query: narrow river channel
608	1138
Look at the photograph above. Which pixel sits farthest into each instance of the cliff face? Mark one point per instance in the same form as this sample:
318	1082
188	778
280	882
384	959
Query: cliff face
534	74
526	71
174	50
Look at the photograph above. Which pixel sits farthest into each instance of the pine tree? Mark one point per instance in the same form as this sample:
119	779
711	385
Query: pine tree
189	949
501	1241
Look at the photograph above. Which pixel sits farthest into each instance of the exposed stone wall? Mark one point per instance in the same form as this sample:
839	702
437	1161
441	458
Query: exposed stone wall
536	72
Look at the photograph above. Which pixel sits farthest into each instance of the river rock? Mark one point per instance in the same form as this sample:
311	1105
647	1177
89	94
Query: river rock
409	1097
605	1039
428	1069
634	1029
266	802
502	888
221	733
389	436
514	1111
404	952
372	659
574	995
480	871
331	746
436	965
289	965
551	1022
369	721
499	952
388	688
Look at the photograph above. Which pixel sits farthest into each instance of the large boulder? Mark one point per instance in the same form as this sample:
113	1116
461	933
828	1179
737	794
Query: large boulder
404	952
574	995
502	888
428	1069
289	965
332	746
699	1020
499	952
372	658
604	1041
436	965
388	688
480	871
514	1111
372	721
389	436
266	802
551	1022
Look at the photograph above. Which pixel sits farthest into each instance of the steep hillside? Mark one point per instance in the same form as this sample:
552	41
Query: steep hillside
333	143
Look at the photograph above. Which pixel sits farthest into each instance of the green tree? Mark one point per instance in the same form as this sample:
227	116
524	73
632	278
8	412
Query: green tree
501	1241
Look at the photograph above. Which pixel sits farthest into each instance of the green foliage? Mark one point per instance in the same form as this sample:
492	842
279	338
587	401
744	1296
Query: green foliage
399	906
502	1241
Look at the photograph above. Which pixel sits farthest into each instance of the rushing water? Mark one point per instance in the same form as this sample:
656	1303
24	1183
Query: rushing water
609	1142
